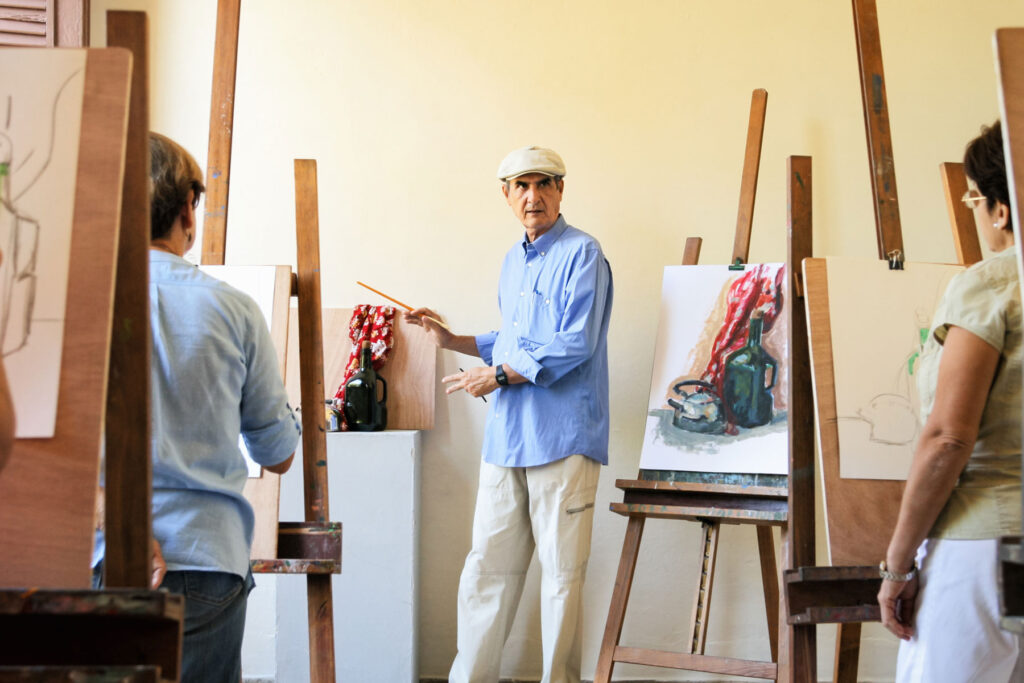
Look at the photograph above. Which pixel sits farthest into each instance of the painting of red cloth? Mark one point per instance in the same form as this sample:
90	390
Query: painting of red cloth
718	397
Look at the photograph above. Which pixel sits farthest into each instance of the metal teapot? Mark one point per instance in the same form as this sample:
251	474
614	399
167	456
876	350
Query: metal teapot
700	411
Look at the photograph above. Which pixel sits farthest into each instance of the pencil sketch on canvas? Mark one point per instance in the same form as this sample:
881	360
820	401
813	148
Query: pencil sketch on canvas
879	321
719	384
40	123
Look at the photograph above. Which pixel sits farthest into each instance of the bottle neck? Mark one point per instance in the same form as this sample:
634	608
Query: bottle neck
754	337
365	358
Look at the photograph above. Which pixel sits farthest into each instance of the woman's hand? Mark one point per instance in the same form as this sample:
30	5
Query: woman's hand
897	600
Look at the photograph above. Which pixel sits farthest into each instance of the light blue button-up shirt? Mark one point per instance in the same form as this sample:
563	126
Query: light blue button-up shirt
555	296
214	375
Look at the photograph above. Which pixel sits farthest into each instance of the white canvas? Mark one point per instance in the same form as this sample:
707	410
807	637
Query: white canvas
41	96
879	320
693	307
257	282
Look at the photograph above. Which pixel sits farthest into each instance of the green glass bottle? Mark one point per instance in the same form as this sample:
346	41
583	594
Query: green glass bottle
363	411
746	388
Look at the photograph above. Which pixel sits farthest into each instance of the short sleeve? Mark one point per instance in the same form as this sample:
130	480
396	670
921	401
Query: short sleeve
973	303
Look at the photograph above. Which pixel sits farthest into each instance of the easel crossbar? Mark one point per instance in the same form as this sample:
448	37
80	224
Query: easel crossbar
680	660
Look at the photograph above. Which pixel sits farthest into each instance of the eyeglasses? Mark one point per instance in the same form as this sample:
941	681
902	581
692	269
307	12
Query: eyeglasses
971	198
197	191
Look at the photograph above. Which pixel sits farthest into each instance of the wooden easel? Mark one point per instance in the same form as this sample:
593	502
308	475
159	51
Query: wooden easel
312	547
130	632
761	500
845	593
1009	46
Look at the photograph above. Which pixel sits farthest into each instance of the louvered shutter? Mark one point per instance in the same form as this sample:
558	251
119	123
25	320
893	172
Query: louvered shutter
26	23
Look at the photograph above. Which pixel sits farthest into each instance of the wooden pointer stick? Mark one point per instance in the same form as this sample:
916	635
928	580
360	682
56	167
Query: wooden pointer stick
403	305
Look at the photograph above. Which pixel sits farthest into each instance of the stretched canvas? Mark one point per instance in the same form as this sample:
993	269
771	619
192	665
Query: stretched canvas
719	384
880	320
40	121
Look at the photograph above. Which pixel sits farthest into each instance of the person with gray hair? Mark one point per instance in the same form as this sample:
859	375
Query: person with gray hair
213	377
547	430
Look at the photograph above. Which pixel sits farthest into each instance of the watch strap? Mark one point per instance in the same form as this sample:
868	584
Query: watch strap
500	376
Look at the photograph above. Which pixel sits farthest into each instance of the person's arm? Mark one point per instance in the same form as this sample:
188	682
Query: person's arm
269	427
966	371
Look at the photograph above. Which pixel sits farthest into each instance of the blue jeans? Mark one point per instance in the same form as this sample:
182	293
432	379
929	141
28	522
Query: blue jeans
214	622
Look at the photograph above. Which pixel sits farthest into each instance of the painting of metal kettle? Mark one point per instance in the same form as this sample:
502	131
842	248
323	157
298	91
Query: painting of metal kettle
700	410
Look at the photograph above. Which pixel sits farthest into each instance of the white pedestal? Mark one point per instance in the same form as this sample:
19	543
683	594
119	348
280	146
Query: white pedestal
373	485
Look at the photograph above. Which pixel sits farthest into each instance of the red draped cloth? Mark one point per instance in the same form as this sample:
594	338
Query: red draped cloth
373	323
757	290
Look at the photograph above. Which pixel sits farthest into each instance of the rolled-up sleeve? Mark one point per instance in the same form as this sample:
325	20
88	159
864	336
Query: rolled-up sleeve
586	298
485	345
269	427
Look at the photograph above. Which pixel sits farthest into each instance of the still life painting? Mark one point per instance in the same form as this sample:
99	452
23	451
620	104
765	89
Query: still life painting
720	378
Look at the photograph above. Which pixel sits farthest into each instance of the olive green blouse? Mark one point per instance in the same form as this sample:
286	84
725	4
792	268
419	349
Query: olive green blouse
985	301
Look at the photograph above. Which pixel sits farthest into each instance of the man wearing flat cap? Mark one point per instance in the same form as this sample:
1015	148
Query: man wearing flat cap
547	429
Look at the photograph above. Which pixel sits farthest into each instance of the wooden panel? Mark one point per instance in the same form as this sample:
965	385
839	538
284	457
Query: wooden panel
319	600
410	370
48	490
797	646
876	123
129	477
679	660
860	513
1010	67
961	219
748	183
222	117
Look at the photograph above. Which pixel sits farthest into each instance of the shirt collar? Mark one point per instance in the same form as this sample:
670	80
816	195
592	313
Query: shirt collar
544	242
158	256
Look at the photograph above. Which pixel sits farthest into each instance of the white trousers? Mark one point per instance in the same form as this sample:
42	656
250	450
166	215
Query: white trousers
956	623
550	507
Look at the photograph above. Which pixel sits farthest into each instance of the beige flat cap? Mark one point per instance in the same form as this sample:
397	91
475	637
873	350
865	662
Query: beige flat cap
531	160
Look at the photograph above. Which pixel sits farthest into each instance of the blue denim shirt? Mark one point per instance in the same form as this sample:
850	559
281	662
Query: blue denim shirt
214	375
555	296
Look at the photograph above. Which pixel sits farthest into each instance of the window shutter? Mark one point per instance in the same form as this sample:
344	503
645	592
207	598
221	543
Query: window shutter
27	23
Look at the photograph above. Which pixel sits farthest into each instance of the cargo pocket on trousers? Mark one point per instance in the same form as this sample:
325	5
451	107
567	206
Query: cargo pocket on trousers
575	529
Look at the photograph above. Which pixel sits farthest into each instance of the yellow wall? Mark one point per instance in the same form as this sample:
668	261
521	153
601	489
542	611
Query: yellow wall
408	105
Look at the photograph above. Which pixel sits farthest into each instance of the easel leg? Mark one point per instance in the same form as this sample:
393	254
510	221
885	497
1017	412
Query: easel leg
321	628
702	600
770	579
620	597
847	653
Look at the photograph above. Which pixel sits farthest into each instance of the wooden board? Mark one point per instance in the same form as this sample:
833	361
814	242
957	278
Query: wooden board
860	513
48	490
410	370
129	516
1010	66
876	123
961	219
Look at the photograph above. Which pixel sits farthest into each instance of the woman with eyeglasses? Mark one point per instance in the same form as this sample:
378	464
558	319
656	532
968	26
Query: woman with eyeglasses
213	377
939	591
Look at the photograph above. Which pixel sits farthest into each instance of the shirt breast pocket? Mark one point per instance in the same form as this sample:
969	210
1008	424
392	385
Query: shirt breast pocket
544	316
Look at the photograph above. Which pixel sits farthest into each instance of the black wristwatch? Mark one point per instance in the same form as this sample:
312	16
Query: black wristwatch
500	376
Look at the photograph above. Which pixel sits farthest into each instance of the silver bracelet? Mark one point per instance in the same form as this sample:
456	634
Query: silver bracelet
883	571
